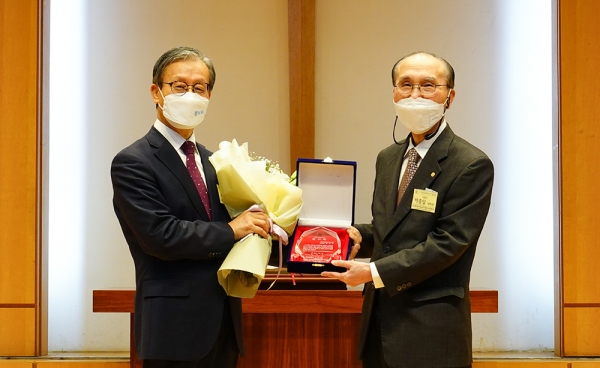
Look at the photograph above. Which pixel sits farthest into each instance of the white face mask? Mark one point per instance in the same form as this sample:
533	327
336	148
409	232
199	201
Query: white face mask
419	114
186	111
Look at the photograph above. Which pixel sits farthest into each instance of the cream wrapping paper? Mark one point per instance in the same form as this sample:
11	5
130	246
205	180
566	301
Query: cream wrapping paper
244	183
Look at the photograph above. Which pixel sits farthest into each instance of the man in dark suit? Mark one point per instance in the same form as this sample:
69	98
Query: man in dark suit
166	200
431	197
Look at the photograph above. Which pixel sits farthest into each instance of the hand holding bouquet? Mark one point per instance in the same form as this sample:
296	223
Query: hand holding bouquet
244	183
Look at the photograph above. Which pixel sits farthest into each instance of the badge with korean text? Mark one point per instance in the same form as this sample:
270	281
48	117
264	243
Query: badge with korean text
424	200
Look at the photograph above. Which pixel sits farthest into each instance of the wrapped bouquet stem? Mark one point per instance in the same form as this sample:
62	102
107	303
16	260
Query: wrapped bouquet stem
246	183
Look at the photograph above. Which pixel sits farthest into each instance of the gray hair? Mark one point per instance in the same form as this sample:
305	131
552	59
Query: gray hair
449	69
178	54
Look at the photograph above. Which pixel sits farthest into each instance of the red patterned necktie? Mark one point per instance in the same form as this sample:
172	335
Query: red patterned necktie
190	162
409	172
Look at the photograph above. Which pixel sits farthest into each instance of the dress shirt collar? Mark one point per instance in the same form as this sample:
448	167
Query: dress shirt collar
424	146
172	136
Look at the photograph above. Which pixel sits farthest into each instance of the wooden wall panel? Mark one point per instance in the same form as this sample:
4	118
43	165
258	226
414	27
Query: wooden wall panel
595	364
18	150
580	140
21	325
520	363
299	340
582	331
81	364
301	41
506	363
17	331
579	107
15	364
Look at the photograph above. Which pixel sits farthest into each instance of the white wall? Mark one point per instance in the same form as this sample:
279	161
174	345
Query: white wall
501	53
102	53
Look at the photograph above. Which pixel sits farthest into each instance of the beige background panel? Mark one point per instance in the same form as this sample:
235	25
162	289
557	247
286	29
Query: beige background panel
18	151
247	42
356	45
581	332
580	107
17	331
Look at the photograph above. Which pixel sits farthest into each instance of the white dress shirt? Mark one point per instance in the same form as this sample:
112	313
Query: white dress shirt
176	141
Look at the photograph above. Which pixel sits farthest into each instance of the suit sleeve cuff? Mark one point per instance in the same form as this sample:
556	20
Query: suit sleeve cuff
376	278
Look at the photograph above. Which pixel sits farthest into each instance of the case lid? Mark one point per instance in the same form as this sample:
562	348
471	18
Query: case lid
327	191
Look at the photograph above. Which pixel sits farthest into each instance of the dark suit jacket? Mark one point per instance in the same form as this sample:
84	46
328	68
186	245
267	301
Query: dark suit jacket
177	251
424	259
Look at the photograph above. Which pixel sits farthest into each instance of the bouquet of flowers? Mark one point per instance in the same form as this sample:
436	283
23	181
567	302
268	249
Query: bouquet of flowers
257	184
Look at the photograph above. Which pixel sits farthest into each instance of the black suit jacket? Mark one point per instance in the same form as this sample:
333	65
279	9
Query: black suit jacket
177	251
424	259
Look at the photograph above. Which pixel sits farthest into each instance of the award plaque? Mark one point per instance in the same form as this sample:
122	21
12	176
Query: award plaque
321	235
319	244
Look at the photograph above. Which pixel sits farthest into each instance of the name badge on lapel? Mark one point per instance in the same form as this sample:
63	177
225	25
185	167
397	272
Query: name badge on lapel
424	200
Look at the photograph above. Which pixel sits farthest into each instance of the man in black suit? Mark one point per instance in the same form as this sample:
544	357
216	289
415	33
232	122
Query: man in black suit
431	197
166	200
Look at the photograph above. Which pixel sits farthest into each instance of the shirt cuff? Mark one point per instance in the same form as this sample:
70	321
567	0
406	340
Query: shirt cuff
375	275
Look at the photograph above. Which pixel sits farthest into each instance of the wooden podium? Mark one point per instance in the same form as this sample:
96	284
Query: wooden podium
313	323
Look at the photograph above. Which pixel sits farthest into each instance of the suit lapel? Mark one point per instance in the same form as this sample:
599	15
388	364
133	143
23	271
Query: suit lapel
169	157
428	171
211	180
395	161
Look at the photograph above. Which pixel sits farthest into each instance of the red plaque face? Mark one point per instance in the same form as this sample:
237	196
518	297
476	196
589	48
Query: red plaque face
317	245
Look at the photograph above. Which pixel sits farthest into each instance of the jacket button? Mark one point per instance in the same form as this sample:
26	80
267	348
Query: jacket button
386	249
408	284
399	288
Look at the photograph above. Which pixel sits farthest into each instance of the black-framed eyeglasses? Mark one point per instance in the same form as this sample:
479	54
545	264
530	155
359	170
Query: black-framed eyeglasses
406	88
179	88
